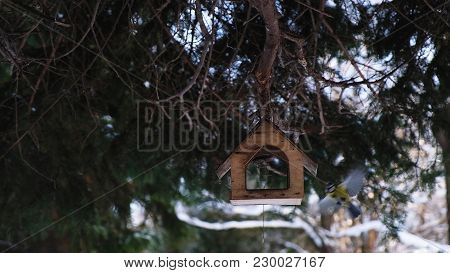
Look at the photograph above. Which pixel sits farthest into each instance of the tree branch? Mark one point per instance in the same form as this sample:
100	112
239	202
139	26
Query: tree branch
263	73
347	53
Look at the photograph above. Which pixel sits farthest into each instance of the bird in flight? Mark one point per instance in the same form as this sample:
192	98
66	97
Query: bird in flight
338	196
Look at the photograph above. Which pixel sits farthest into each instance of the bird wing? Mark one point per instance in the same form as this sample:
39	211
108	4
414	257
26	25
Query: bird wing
353	183
328	205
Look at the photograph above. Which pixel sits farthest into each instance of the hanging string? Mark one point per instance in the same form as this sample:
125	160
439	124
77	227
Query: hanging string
263	230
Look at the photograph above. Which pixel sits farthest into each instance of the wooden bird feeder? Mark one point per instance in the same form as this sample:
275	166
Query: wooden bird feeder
267	146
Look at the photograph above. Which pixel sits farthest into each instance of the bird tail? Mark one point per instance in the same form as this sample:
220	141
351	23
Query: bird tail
354	211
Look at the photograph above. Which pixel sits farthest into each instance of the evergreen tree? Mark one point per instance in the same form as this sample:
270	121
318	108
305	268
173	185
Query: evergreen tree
359	81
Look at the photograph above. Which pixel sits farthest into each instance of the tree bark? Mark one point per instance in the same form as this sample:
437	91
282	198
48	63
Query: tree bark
446	158
442	135
326	221
264	71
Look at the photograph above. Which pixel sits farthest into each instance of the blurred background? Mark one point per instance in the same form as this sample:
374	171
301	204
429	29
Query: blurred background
87	163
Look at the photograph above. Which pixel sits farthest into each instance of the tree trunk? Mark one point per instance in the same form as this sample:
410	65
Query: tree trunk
446	158
326	221
442	135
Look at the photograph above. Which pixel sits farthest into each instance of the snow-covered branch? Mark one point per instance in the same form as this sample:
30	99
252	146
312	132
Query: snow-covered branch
297	223
320	236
